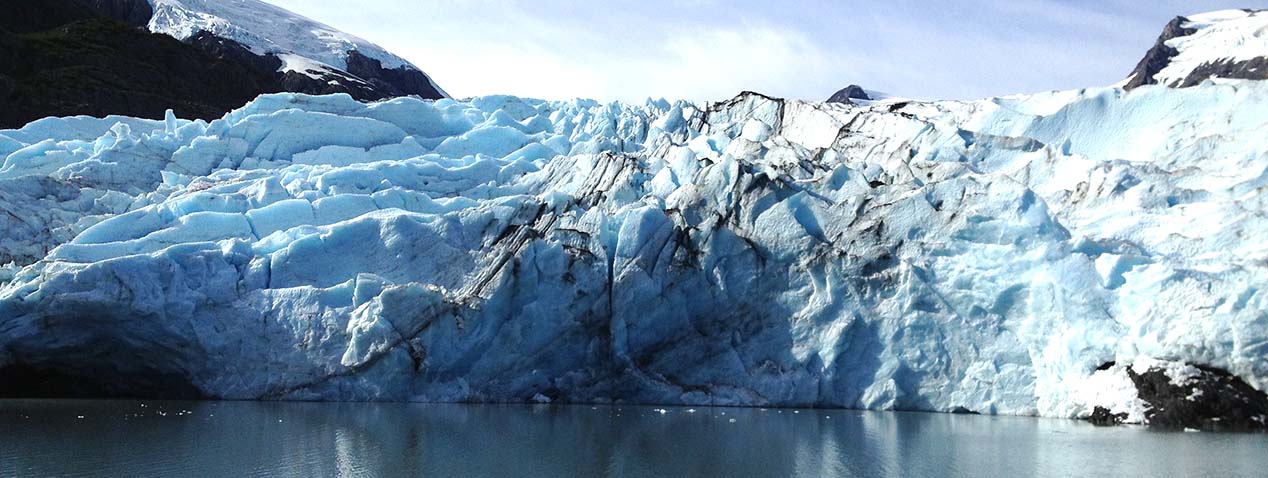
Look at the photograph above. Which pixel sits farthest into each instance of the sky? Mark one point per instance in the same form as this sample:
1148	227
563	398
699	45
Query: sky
709	50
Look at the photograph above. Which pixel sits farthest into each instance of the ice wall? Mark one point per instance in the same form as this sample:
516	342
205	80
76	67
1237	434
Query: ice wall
984	255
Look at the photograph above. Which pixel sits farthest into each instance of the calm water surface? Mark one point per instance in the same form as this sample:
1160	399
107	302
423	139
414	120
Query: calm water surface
139	439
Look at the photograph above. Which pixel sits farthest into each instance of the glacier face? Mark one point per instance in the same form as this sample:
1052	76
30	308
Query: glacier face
984	255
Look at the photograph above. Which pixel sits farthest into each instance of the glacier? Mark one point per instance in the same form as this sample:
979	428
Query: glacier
984	255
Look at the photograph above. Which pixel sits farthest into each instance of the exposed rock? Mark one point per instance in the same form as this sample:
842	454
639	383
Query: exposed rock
1252	69
1213	399
1104	417
227	49
1159	55
324	81
1177	395
392	81
845	95
328	82
132	12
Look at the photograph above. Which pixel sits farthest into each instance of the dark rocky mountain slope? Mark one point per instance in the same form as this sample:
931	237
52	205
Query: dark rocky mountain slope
92	57
61	58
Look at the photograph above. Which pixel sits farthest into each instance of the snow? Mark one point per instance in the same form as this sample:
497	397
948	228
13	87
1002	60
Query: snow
1180	373
1113	390
988	255
306	66
1233	35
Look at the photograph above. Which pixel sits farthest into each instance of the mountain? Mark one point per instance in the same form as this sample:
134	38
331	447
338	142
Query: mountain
1093	253
849	93
68	57
312	54
1221	45
59	57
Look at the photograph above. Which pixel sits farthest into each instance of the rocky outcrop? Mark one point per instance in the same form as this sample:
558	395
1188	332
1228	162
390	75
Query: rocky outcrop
1177	395
1159	55
233	51
392	81
329	82
845	95
1251	69
132	12
322	79
1210	399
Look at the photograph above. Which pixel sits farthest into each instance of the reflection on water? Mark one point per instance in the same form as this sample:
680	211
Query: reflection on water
130	438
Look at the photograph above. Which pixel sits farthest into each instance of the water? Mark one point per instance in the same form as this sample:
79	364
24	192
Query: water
138	439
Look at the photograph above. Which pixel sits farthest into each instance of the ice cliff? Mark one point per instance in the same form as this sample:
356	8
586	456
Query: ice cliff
992	256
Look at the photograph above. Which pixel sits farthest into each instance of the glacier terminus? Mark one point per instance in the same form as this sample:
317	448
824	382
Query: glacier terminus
1038	254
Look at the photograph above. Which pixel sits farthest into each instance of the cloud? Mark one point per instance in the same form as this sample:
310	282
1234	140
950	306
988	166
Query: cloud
703	63
716	63
707	49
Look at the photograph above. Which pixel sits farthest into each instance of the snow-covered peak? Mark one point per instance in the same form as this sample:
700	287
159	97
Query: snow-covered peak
264	28
1220	45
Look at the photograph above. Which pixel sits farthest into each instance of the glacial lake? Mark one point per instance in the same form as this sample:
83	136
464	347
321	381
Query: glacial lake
68	438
